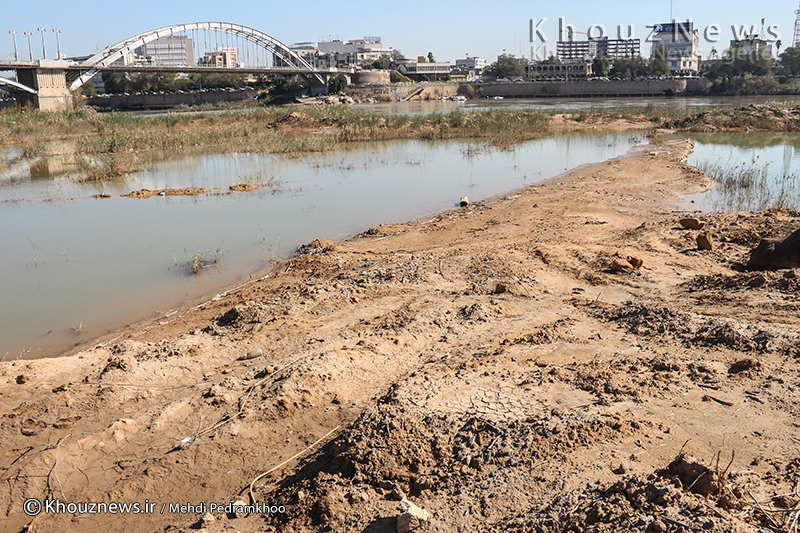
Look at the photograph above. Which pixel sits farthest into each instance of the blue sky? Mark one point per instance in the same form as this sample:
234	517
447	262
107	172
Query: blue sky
449	30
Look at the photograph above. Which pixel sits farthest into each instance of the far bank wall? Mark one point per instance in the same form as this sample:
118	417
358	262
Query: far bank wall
433	91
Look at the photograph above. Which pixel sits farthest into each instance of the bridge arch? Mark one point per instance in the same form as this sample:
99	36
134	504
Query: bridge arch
119	50
5	83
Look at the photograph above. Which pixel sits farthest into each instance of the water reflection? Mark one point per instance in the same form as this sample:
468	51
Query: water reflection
574	104
752	171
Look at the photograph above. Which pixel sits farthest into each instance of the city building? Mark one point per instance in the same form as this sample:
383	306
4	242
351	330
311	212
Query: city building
349	54
420	70
475	63
306	50
562	68
603	46
753	46
220	58
464	74
681	42
171	51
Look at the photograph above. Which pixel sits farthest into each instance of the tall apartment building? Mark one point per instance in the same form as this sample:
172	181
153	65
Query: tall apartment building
682	44
603	46
220	58
171	51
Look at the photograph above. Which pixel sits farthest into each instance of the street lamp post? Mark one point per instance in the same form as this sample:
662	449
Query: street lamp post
30	47
58	43
44	48
14	35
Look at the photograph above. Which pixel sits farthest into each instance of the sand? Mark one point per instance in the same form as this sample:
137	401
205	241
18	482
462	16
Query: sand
560	358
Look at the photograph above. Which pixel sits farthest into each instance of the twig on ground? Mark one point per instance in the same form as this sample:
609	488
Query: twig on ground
290	459
708	398
771	521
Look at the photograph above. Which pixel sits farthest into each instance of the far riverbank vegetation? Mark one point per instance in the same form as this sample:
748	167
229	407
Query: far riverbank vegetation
109	145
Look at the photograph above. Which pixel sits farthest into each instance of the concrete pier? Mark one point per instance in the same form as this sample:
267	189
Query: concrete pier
50	84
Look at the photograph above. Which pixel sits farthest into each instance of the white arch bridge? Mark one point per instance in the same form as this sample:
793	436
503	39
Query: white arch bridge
221	47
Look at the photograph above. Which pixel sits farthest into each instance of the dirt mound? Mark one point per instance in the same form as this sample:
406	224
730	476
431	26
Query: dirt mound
188	191
295	118
754	116
784	282
457	469
694	328
243	187
483	474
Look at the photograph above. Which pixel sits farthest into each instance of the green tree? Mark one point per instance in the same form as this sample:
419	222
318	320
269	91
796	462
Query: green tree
753	63
736	62
658	65
791	59
283	85
629	67
114	82
600	66
506	66
89	89
720	69
384	62
336	84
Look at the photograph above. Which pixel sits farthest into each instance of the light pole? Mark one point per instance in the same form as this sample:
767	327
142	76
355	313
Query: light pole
14	35
44	48
58	44
30	47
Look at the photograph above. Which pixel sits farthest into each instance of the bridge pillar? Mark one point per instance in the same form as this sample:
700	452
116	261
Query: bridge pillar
53	93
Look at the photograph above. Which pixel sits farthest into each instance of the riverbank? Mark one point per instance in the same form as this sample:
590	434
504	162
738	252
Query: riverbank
539	361
100	147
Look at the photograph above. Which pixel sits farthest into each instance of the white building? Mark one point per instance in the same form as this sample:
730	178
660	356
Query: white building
471	63
171	51
682	44
346	54
753	46
432	71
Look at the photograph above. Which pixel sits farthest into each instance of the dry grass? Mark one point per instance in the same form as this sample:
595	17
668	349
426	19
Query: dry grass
753	186
107	146
110	145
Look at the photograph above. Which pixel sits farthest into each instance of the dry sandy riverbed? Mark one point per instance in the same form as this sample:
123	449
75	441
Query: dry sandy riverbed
486	363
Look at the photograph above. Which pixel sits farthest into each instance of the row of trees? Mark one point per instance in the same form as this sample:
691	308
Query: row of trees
509	67
638	67
120	82
735	63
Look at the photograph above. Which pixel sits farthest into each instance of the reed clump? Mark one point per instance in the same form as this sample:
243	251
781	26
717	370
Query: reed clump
753	186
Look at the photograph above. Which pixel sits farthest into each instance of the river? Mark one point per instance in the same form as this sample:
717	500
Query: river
574	104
